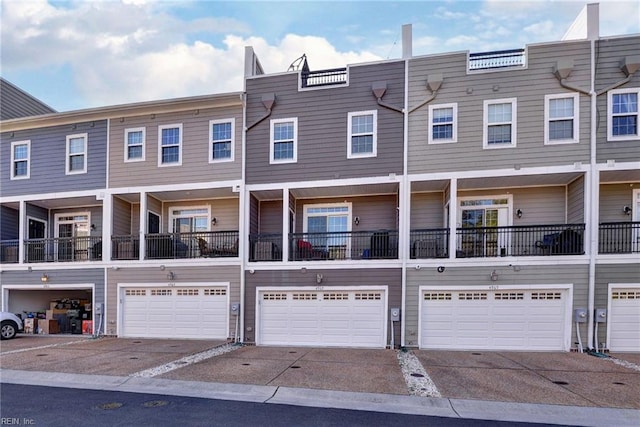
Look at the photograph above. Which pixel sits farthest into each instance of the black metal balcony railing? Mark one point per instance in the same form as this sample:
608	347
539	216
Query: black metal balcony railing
379	244
335	76
497	59
429	243
9	251
63	249
619	238
125	247
265	247
537	240
191	245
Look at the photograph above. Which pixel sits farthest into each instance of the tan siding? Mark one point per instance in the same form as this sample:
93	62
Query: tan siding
186	274
478	276
270	217
427	210
331	278
612	198
121	217
195	149
467	153
575	202
225	211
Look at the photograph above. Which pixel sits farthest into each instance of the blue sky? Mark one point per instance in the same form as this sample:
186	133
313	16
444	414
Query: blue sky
83	54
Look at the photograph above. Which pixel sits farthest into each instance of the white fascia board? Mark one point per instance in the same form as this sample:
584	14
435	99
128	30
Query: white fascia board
324	183
176	187
543	170
47	196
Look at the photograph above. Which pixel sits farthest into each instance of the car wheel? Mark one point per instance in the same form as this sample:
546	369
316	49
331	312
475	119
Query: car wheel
8	330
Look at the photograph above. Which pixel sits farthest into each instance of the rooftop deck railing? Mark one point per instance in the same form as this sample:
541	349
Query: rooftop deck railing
334	76
497	59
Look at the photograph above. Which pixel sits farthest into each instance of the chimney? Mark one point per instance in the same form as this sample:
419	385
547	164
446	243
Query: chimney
407	40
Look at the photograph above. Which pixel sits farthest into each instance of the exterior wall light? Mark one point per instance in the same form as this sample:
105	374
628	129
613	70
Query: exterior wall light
44	278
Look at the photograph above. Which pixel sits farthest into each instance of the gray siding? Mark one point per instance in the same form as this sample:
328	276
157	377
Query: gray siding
48	152
93	276
122	215
470	90
9	223
612	198
331	278
270	217
610	53
575	201
15	103
185	274
224	210
253	214
427	210
322	125
195	149
478	276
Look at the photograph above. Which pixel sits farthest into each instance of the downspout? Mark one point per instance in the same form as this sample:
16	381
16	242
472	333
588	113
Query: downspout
379	90
407	53
268	101
244	235
434	81
592	213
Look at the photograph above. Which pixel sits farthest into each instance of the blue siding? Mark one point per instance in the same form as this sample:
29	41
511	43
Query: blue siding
48	151
8	223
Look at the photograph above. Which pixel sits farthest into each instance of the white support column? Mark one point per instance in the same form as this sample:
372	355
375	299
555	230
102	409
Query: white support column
453	217
22	233
107	216
285	224
143	225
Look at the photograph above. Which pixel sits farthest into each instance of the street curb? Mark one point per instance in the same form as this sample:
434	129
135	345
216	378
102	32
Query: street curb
413	405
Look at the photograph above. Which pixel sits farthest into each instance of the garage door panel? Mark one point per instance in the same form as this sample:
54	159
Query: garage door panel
503	319
624	323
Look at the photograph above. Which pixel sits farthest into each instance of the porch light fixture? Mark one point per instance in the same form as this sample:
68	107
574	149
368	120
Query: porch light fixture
214	221
519	213
162	267
171	276
626	210
356	220
44	278
93	227
494	276
319	278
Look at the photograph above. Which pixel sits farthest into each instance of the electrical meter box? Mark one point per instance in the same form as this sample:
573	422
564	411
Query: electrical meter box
580	315
235	308
395	314
98	309
601	315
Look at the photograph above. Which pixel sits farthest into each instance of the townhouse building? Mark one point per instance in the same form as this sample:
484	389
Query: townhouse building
450	201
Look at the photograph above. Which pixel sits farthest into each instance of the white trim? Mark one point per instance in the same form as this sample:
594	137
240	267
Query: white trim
575	118
60	214
610	288
169	285
160	129
513	122
232	121
610	136
509	206
321	288
143	144
493	287
454	124
272	141
68	155
13	159
172	217
32	218
374	148
306	207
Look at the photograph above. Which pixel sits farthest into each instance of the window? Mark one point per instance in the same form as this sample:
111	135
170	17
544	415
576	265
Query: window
443	123
20	159
329	224
623	114
221	139
499	123
561	118
190	219
362	134
284	141
134	140
170	145
76	161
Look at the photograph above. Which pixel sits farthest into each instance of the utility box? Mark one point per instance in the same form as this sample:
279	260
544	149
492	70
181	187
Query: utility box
98	309
580	315
235	308
601	315
395	314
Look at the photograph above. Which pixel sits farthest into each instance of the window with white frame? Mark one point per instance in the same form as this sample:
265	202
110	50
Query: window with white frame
443	123
623	114
284	141
76	160
499	130
362	134
170	145
561	118
134	142
190	219
20	159
221	137
328	223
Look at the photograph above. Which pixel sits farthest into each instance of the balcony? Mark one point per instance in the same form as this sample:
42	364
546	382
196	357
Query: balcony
378	244
265	247
537	240
429	243
9	251
191	245
619	238
63	249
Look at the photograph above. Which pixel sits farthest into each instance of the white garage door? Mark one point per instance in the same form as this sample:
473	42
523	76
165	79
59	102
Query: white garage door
624	319
335	318
180	312
494	320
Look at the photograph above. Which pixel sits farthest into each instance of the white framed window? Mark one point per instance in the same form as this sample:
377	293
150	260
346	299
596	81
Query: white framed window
170	145
221	140
499	123
623	114
189	219
329	225
561	113
284	141
443	123
20	159
76	160
134	144
362	135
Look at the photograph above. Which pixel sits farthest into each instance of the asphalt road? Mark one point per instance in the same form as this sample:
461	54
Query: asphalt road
52	406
